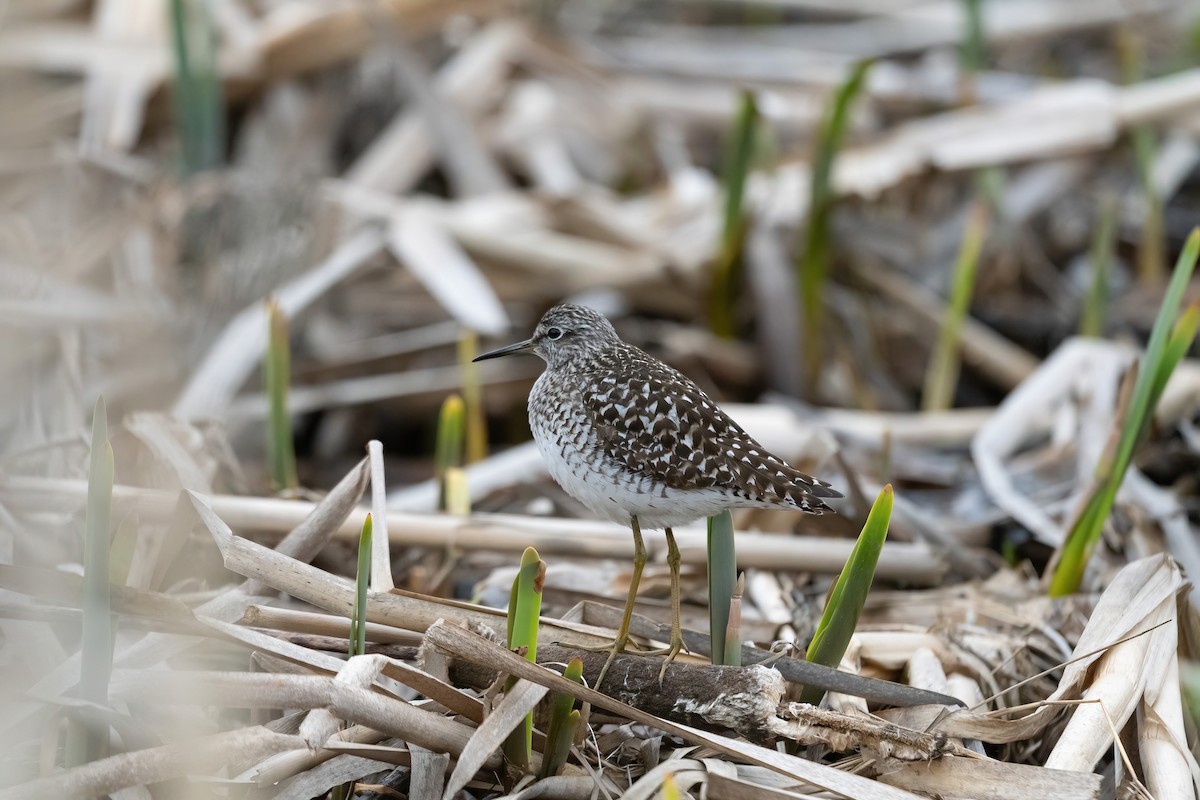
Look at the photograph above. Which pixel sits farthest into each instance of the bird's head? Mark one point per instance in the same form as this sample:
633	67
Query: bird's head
565	333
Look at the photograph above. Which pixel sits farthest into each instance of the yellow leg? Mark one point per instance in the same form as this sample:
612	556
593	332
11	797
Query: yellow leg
673	561
639	563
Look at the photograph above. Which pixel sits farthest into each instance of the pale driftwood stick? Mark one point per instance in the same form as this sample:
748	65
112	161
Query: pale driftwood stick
286	619
513	229
914	563
694	694
372	388
65	589
334	644
257	690
519	464
404	609
857	730
381	554
141	767
419	240
1159	98
471	79
326	34
286	653
284	765
951	428
343	768
958	777
311	535
469	167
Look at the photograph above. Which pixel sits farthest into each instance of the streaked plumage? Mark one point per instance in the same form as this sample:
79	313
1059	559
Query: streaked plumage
625	434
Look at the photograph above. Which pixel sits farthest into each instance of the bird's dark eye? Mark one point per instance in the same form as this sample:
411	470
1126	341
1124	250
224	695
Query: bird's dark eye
554	334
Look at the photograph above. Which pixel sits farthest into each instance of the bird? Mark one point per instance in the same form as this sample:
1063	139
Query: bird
640	444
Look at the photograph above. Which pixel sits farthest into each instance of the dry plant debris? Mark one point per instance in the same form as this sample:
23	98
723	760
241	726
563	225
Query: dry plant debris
403	177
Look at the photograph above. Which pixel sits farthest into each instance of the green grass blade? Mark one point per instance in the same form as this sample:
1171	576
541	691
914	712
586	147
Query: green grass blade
722	580
1131	57
1189	675
448	452
1150	241
738	161
277	373
84	745
196	92
814	259
564	723
1151	373
362	580
1178	345
522	632
849	592
1166	343
358	621
1095	310
941	378
1080	542
733	631
472	389
973	52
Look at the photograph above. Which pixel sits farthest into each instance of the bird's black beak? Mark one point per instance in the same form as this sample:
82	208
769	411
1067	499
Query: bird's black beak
506	351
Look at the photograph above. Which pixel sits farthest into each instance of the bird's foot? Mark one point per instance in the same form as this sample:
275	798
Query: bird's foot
617	647
670	651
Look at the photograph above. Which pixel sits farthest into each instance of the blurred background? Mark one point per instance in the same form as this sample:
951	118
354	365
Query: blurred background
772	196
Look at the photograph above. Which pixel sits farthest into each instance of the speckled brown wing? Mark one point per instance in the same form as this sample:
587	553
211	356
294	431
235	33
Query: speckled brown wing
657	423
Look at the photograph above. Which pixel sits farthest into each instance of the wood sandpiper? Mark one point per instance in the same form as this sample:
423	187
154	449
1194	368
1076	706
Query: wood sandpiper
638	443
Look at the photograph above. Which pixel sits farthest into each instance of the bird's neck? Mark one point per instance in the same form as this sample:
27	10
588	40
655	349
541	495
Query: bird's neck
588	360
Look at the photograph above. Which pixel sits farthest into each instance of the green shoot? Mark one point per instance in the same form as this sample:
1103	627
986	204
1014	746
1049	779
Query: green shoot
1169	342
198	105
524	608
849	592
1095	309
739	156
277	373
722	581
1150	244
358	623
564	723
458	494
733	631
448	453
362	580
1182	336
472	389
83	743
1150	257
1189	679
942	374
972	54
814	260
670	788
